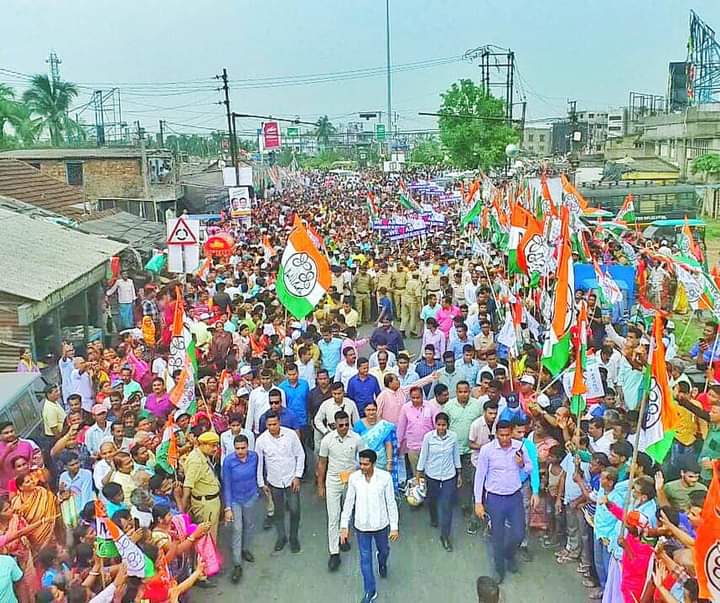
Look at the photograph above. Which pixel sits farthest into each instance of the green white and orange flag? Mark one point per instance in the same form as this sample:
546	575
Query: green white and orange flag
572	197
608	289
686	242
707	541
167	453
627	211
533	252
182	358
406	199
661	412
303	276
579	388
138	564
372	205
520	221
556	350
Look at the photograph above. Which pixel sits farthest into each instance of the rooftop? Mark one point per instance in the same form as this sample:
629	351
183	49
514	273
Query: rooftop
124	227
90	153
21	181
42	257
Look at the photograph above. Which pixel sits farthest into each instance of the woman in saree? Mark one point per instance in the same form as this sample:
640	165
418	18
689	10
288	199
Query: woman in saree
380	436
33	503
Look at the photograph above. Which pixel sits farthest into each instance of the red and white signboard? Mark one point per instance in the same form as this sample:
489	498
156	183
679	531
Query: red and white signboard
183	241
271	135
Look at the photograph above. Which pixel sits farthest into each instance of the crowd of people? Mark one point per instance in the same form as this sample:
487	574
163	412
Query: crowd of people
399	390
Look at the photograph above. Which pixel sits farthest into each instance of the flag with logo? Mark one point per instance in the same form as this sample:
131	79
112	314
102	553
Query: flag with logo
182	357
533	252
579	388
167	453
406	199
303	276
661	412
556	349
520	220
572	197
608	290
686	242
627	211
137	563
707	541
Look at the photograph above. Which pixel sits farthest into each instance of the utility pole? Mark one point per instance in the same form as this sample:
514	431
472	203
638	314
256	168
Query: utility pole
54	62
143	162
162	134
572	112
231	128
389	78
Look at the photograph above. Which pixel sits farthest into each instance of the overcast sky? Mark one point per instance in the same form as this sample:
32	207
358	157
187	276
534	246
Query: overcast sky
590	50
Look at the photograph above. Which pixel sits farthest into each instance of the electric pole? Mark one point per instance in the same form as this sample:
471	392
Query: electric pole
572	112
143	160
389	78
162	134
231	129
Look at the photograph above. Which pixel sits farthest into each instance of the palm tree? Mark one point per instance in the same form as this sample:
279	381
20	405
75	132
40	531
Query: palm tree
27	128
324	130
50	101
7	100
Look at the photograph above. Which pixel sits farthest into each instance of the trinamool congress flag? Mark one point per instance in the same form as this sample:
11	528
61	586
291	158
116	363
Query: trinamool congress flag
707	541
303	276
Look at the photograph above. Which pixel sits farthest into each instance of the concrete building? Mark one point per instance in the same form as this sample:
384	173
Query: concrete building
617	123
595	124
538	140
111	178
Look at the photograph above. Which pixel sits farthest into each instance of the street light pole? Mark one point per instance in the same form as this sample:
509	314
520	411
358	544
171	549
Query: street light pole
389	79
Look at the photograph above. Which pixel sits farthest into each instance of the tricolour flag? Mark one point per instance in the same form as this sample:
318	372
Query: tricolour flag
406	199
556	350
520	219
707	541
608	289
472	213
572	197
372	205
167	452
182	358
627	211
686	242
137	563
661	412
579	388
533	252
303	275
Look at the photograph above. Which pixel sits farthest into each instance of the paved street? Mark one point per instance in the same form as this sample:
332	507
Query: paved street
304	578
416	561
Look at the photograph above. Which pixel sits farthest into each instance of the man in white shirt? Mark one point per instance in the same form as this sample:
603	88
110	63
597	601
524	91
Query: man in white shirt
325	417
259	401
126	298
610	361
337	459
81	384
281	462
99	431
347	368
371	497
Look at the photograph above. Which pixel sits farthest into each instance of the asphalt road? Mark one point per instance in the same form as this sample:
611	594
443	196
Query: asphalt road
420	570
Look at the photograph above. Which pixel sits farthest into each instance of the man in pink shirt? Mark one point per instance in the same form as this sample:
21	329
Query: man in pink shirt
416	419
394	396
446	315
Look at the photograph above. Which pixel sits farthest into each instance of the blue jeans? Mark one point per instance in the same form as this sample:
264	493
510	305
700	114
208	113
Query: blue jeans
440	497
242	529
507	526
365	540
602	561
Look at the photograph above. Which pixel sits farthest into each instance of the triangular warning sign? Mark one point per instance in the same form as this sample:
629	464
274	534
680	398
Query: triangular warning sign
182	234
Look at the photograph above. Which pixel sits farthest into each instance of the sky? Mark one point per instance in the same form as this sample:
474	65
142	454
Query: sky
592	51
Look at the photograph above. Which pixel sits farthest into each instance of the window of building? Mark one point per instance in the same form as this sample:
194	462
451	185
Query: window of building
541	137
591	115
531	137
74	170
615	117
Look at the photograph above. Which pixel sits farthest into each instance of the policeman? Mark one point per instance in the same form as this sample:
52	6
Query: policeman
362	285
399	280
201	489
411	305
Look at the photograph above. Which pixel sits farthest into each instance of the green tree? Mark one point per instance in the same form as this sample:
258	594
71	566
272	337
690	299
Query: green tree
428	152
706	164
472	128
7	105
324	131
50	101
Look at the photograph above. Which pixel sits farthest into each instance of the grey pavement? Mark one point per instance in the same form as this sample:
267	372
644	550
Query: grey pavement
420	570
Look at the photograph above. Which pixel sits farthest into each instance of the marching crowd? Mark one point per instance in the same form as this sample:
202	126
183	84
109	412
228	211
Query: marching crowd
431	408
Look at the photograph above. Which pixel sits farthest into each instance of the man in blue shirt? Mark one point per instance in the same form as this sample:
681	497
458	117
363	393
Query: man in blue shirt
427	365
296	394
287	417
388	335
10	572
76	481
240	493
363	388
330	351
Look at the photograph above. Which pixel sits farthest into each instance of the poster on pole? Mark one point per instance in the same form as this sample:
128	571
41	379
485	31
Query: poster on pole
271	135
244	176
240	204
183	241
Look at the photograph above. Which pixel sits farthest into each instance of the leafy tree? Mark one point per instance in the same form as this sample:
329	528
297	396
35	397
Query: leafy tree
473	129
708	164
50	101
324	131
428	152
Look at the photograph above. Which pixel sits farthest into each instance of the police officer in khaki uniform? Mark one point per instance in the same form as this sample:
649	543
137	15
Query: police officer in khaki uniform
362	286
201	489
433	282
399	279
411	305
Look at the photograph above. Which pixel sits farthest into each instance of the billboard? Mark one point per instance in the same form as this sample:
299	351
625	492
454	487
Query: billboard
271	135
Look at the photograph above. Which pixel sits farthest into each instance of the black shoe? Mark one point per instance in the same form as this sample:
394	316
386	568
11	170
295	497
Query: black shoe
236	574
295	546
433	522
512	566
268	522
382	568
498	577
525	554
280	544
334	562
345	546
447	545
205	584
248	556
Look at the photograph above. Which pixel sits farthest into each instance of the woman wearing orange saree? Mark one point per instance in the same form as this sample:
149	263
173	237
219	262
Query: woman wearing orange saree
33	503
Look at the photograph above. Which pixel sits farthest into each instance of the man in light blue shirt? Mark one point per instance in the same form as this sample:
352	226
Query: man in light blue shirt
77	482
330	351
10	573
296	394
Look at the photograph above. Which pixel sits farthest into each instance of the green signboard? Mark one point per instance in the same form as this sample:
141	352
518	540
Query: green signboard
379	131
293	132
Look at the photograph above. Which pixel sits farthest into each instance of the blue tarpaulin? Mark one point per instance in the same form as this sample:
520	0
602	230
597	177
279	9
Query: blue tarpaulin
624	276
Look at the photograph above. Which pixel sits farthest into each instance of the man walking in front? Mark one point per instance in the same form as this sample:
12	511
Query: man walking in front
337	460
281	462
372	498
498	486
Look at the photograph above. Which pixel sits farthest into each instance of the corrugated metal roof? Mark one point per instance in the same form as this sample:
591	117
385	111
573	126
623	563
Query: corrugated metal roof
92	153
40	257
122	226
21	181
